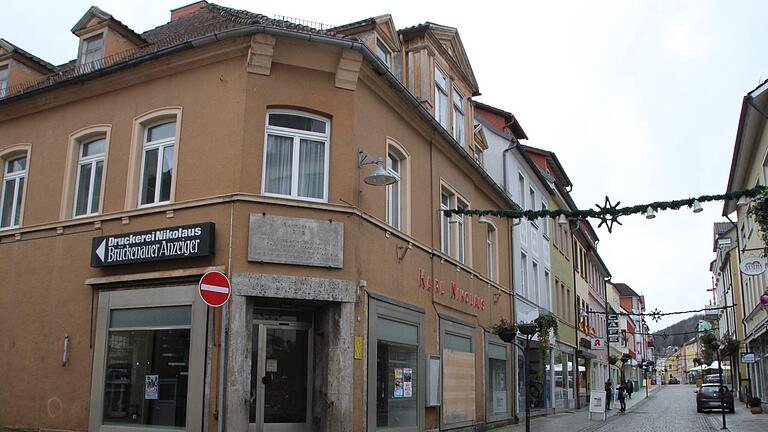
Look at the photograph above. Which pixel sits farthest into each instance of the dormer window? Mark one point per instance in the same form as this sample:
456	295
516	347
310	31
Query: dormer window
441	97
478	153
3	80
93	51
383	53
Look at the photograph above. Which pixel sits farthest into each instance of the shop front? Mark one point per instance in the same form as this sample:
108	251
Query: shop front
564	377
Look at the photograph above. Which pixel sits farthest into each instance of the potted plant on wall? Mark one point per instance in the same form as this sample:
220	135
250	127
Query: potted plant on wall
505	330
755	405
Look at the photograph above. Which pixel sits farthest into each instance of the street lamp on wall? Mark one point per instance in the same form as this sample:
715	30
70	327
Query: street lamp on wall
379	176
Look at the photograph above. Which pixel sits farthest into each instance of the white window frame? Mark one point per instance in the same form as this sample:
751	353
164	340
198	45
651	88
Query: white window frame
521	189
96	60
461	233
458	116
382	49
161	145
394	215
5	73
445	224
545	221
297	135
441	112
150	297
491	251
535	282
478	150
19	178
89	160
524	272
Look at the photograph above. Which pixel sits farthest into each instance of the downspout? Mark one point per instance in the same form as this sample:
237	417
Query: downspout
575	320
743	298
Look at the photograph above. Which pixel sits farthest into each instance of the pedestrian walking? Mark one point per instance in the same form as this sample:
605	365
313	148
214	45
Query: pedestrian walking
622	397
608	394
630	388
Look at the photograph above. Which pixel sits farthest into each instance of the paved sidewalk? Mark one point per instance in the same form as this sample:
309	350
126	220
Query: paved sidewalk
573	421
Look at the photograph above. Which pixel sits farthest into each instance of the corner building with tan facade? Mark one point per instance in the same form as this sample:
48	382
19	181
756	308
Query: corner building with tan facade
229	141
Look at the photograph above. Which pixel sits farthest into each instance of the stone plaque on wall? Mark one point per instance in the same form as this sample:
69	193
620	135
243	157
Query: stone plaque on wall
299	241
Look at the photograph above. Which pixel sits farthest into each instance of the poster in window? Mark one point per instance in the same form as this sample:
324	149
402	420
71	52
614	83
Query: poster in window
500	401
150	386
398	391
407	382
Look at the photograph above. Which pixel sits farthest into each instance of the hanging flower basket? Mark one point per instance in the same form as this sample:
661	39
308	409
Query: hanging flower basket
505	330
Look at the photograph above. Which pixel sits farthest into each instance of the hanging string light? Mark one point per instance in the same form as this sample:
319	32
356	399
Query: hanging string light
609	214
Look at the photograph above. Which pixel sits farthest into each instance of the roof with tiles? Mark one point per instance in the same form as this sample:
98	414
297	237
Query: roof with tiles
14	49
722	227
207	20
624	290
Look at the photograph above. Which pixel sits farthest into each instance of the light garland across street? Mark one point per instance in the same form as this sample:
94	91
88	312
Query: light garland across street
608	213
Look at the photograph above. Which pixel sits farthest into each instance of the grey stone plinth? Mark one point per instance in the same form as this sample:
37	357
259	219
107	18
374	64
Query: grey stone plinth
294	287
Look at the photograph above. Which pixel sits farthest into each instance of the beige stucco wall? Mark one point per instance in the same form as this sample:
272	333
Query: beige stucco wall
220	153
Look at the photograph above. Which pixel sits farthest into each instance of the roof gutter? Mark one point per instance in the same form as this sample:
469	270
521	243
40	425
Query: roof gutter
380	68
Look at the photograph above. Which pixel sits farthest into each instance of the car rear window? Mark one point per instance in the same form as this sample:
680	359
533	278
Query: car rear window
712	389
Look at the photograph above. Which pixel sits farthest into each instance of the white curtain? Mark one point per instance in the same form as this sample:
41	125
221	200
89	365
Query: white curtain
311	168
279	161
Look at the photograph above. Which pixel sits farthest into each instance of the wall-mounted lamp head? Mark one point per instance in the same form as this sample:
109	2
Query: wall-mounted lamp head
650	213
742	201
379	176
697	207
562	220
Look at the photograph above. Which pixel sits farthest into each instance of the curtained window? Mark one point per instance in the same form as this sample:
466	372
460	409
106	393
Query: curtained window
296	156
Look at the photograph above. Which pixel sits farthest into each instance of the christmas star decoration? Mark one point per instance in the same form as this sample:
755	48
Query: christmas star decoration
656	315
607	215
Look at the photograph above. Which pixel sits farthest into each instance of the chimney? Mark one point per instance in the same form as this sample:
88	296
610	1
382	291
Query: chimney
188	9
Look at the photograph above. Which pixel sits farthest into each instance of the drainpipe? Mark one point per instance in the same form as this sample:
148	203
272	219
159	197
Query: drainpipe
575	320
743	298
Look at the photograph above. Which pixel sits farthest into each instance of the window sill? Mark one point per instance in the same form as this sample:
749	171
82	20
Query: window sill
157	204
295	198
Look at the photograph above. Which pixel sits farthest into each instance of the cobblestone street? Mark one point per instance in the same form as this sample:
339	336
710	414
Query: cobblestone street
669	408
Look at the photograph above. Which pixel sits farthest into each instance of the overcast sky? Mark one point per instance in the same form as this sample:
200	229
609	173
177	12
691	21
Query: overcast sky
639	100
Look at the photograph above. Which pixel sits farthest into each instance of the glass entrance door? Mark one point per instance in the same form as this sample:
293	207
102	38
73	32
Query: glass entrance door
280	372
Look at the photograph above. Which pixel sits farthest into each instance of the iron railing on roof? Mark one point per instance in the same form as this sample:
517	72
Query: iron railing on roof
68	72
304	23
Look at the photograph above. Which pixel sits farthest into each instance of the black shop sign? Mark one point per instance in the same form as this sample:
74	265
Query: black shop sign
185	241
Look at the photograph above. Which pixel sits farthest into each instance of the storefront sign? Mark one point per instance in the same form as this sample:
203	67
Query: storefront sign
298	241
753	266
597	402
185	241
748	357
598	344
454	292
585	343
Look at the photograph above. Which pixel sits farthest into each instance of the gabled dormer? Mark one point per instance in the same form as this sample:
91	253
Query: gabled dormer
380	35
18	66
102	37
437	71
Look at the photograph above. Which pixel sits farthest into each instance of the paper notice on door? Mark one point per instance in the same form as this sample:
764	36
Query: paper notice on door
398	390
150	386
500	402
271	365
407	382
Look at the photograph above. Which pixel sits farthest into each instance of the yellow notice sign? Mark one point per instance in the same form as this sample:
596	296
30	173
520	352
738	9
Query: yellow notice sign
358	347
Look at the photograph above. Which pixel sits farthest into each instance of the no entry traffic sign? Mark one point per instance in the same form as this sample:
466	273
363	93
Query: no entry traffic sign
214	288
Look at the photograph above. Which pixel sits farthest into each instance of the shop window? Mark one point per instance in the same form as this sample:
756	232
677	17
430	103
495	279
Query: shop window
90	168
395	402
12	196
458	374
151	373
296	156
497	391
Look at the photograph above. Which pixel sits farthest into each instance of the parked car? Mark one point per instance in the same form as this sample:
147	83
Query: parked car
712	379
674	380
708	398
